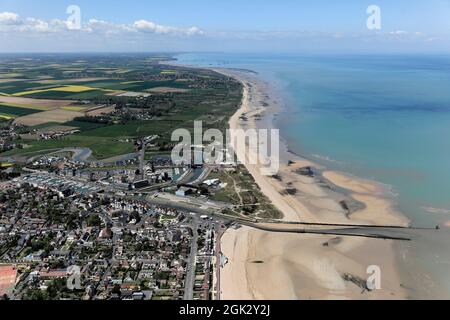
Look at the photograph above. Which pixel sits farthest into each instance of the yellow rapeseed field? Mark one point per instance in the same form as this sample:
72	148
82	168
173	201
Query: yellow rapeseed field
74	89
74	108
7	116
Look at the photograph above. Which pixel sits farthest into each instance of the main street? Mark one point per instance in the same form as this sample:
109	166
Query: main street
190	269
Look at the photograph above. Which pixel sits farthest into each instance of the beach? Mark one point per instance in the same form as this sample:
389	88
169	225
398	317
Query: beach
264	265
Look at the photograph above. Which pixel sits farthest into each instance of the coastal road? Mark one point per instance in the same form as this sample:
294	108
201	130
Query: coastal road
366	231
213	209
190	270
218	252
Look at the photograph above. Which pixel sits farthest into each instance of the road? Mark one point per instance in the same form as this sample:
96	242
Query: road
206	171
142	161
218	252
212	209
367	231
83	155
190	269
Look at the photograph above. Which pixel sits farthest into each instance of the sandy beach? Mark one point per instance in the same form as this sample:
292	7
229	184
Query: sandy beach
264	265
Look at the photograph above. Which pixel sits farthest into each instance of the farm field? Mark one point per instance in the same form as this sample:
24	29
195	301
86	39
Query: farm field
75	108
167	90
7	116
57	115
70	89
97	111
16	111
84	126
37	104
67	81
47	130
102	148
110	100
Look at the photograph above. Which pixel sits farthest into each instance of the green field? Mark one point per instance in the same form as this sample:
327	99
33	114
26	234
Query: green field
211	97
7	116
101	148
66	95
136	86
84	126
135	129
17	87
12	110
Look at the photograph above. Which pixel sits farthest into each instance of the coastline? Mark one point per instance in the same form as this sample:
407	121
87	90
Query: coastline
301	266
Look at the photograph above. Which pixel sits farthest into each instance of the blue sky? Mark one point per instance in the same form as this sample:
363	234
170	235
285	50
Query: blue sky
232	25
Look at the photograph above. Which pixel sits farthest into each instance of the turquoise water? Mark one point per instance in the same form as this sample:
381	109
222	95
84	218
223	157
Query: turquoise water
385	118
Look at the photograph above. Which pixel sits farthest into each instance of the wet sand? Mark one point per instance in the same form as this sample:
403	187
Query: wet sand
265	265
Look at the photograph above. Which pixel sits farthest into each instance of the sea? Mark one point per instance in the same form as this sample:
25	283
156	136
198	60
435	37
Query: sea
380	117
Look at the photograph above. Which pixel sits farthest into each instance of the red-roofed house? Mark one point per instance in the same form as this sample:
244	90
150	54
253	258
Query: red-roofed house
8	275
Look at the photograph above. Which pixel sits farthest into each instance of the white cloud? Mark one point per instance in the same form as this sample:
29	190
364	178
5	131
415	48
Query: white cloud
148	26
41	26
95	25
33	34
32	24
9	18
194	31
398	32
11	22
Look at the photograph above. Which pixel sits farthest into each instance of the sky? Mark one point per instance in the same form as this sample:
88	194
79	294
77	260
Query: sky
231	25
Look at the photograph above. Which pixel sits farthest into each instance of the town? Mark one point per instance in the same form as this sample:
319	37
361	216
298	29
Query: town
92	204
125	248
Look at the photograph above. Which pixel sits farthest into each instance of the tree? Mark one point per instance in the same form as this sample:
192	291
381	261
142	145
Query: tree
94	221
116	289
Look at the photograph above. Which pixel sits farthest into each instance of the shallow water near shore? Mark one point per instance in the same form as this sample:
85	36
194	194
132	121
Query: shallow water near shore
385	118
